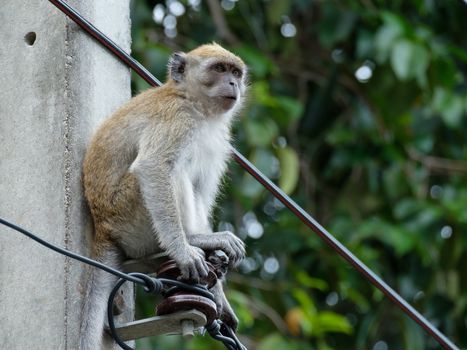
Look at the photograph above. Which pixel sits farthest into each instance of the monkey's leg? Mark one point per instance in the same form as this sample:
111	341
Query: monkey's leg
227	315
98	288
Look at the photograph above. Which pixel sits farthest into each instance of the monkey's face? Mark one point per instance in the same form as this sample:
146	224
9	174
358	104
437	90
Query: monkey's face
211	75
222	83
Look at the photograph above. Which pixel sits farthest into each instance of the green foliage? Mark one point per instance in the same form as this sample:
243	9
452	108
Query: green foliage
290	169
358	110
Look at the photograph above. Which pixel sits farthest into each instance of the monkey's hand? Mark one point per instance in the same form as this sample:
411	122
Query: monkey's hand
191	262
225	241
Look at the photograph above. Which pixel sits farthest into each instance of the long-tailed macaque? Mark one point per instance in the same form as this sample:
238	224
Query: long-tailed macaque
152	172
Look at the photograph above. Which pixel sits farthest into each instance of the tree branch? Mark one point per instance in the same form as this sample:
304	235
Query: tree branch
438	163
221	24
269	312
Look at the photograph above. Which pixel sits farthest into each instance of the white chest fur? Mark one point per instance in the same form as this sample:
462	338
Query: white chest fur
198	172
206	155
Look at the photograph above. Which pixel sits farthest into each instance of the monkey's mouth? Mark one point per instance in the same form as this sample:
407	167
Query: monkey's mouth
234	98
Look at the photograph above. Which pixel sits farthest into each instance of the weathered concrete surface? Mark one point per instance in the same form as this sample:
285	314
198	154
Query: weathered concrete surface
53	94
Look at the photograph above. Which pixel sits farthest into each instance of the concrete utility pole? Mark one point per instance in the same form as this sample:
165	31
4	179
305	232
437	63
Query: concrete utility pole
57	85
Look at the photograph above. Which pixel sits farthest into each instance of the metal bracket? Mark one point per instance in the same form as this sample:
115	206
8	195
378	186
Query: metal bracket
184	322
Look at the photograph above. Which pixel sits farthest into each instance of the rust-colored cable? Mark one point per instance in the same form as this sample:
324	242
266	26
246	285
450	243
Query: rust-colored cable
329	239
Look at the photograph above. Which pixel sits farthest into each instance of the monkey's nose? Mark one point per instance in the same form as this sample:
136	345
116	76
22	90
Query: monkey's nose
232	83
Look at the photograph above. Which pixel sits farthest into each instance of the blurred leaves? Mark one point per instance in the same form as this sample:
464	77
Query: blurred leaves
290	169
449	105
260	132
358	110
409	60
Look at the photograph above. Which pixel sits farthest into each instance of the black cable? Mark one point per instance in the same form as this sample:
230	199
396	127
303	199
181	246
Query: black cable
73	255
230	333
110	316
151	285
178	286
215	330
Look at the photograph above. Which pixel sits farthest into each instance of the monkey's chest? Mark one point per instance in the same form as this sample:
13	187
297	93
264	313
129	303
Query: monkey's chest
204	162
206	158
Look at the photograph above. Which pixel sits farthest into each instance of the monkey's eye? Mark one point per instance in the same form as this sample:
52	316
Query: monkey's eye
219	68
237	73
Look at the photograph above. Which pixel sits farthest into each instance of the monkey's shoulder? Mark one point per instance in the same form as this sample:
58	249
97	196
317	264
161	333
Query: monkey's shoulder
163	103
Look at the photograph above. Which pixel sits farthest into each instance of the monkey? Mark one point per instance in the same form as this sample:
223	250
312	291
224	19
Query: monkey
152	172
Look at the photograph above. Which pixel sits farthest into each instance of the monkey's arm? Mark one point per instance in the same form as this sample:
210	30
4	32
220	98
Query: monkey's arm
202	235
204	238
154	169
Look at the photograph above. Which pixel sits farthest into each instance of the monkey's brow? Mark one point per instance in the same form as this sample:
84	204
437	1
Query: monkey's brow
229	64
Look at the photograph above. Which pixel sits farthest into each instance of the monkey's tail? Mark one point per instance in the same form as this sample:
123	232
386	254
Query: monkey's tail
99	286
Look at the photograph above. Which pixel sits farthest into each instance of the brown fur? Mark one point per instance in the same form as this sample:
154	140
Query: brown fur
215	50
110	190
151	163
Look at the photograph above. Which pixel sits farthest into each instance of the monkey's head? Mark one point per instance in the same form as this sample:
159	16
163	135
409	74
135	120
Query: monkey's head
214	77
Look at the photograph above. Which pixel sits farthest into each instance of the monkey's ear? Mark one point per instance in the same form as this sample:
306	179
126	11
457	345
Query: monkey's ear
176	67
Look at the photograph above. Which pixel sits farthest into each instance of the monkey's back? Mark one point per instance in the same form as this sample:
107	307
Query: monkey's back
111	190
